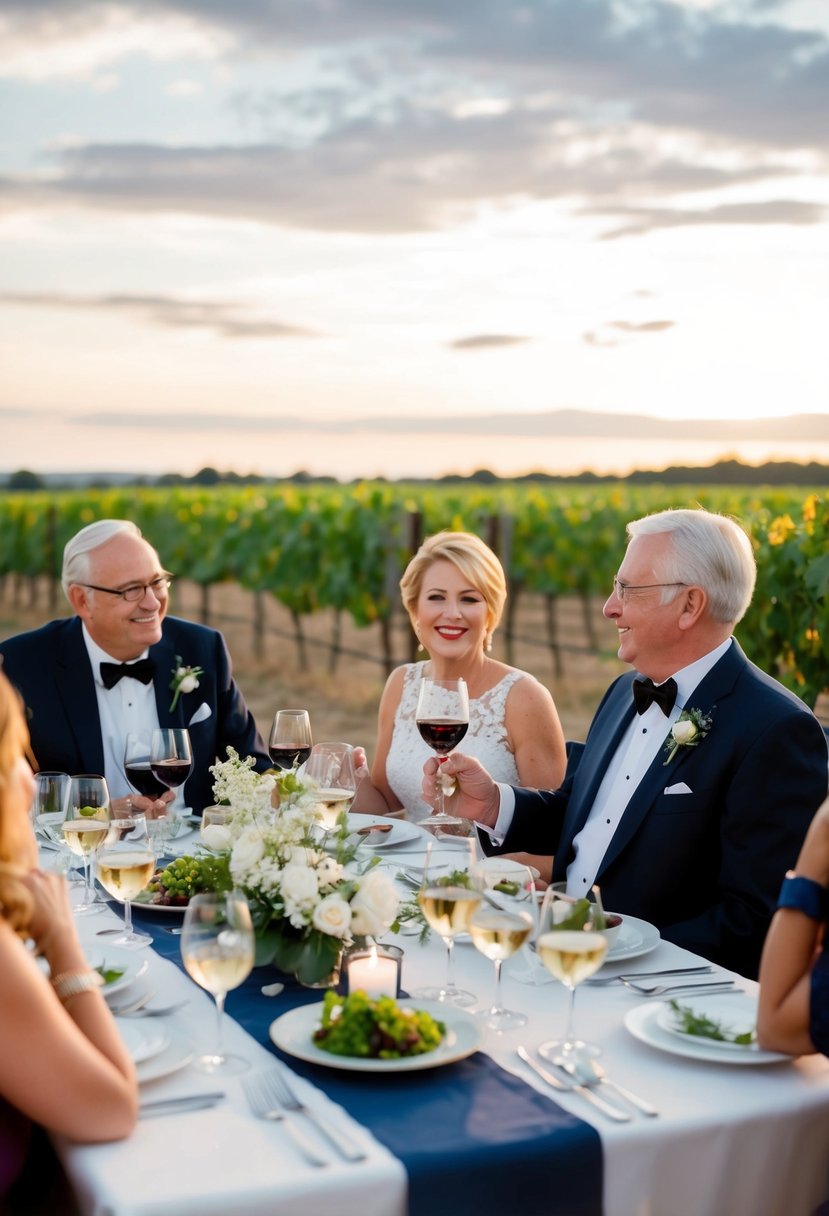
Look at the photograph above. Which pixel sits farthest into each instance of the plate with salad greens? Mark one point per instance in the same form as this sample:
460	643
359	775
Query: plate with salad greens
715	1028
117	966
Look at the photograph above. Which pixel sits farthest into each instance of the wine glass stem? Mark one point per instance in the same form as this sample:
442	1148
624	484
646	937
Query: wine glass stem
87	877
220	1008
497	1001
450	964
569	1033
127	917
439	788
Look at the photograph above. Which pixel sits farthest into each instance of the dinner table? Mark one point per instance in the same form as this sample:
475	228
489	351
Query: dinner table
732	1130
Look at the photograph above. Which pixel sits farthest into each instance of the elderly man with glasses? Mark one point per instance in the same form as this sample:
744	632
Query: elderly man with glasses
700	774
110	670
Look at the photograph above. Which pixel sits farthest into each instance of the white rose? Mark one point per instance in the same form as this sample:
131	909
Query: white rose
298	855
684	731
332	915
299	886
216	837
188	683
248	850
375	904
329	872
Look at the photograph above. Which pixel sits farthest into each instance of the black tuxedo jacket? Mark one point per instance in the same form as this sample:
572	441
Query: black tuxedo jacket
50	666
705	840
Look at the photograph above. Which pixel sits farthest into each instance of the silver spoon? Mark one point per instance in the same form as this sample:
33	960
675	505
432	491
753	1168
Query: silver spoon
590	1072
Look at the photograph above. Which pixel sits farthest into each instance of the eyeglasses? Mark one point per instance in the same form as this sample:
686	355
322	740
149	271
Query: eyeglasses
137	591
623	589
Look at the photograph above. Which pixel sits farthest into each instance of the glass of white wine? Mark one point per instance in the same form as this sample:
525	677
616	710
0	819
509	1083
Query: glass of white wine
449	898
499	929
330	767
85	825
571	947
217	948
125	864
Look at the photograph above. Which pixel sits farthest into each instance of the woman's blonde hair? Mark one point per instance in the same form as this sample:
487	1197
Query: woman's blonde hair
15	901
472	557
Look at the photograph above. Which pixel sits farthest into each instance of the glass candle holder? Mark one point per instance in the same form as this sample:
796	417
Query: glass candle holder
373	969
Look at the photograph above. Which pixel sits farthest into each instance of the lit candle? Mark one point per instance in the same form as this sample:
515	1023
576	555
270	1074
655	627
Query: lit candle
374	973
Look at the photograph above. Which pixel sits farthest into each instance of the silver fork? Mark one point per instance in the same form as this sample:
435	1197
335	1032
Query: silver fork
600	981
261	1102
666	989
278	1086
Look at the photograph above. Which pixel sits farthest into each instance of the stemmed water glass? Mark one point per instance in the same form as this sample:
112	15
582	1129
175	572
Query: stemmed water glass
217	948
571	947
125	864
290	741
499	932
442	717
448	901
85	825
51	791
171	756
330	767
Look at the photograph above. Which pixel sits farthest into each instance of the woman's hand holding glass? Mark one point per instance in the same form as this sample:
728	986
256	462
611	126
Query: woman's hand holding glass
217	948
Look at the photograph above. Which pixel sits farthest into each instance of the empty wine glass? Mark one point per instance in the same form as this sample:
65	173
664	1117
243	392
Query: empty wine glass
125	864
217	948
571	947
500	931
330	768
85	825
442	717
171	756
449	900
290	741
49	801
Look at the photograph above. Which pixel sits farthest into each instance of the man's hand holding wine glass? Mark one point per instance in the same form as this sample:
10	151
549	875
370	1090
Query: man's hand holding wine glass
476	794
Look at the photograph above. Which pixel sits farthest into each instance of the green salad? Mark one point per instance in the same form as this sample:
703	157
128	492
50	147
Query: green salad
698	1024
381	1029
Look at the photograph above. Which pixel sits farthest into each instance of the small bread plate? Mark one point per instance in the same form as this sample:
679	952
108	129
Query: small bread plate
636	937
649	1023
399	831
130	964
292	1033
177	1054
143	1040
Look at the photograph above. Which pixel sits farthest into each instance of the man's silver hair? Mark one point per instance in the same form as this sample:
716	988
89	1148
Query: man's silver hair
709	550
76	560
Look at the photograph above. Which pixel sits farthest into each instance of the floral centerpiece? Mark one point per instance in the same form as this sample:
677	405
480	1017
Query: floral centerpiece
308	900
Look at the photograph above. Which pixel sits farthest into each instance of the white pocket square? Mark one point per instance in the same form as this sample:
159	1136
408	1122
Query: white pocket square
201	715
679	788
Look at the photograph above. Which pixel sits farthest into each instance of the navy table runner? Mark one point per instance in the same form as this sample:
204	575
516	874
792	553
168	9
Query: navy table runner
470	1135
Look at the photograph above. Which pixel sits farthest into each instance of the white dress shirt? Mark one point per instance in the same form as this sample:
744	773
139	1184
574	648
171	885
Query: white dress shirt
636	752
128	706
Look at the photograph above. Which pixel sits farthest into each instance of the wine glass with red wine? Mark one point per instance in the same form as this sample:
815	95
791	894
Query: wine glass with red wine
442	718
137	767
290	743
171	756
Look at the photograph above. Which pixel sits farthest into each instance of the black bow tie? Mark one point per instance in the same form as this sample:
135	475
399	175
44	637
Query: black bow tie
143	670
645	692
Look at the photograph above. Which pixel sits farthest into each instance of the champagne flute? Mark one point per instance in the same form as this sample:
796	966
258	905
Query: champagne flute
217	949
449	901
330	767
499	932
442	717
125	864
171	756
571	947
290	741
85	825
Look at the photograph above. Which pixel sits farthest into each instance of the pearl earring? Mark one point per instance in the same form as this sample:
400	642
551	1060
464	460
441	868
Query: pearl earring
488	642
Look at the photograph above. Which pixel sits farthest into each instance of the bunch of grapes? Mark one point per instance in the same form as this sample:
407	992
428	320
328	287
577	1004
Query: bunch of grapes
186	876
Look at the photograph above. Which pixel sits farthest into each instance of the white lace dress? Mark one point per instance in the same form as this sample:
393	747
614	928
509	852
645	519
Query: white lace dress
486	739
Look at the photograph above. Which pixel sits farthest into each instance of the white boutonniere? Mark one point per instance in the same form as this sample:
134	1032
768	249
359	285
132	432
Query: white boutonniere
185	679
689	730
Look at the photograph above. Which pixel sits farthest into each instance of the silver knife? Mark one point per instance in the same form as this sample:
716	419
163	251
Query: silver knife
612	1112
177	1106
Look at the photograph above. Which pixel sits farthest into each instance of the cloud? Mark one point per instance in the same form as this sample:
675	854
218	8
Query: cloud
487	341
779	211
601	338
227	320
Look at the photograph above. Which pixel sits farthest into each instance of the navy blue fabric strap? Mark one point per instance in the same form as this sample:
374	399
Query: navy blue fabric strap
804	895
470	1135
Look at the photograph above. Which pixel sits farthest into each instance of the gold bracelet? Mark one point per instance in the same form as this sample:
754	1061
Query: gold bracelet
73	983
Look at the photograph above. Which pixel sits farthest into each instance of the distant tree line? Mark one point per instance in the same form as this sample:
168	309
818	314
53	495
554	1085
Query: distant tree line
723	472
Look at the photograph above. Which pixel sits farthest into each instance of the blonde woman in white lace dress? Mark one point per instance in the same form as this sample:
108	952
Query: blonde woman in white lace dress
454	591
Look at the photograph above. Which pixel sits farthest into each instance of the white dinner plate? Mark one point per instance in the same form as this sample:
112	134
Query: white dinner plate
636	937
498	869
401	831
292	1033
737	1014
138	905
643	1022
129	962
143	1040
177	1054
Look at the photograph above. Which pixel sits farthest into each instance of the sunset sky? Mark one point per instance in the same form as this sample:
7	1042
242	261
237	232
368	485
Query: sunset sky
227	225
